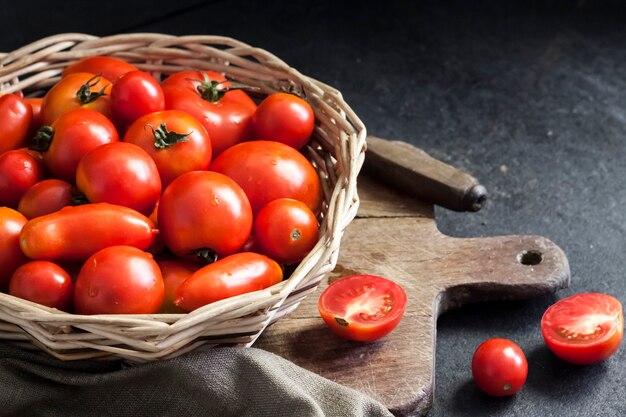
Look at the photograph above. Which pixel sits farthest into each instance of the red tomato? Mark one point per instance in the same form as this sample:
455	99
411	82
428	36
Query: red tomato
135	94
44	283
45	197
284	118
119	280
286	230
174	272
71	137
269	170
19	170
234	275
76	233
36	105
584	328
362	307
110	68
226	116
15	118
11	256
135	182
77	90
204	211
499	367
175	140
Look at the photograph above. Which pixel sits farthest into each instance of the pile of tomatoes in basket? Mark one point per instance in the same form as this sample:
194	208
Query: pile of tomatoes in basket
120	194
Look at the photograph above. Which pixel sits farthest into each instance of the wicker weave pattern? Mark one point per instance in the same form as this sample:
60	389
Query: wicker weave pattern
336	150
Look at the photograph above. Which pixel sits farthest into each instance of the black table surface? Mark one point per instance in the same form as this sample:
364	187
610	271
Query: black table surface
528	96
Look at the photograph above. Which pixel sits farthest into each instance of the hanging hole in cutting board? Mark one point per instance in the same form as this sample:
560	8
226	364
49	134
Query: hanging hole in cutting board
530	257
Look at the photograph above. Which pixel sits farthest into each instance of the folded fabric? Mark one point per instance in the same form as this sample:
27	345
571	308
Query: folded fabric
207	382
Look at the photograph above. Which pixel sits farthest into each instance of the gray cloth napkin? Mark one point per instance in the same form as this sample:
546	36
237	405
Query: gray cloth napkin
207	382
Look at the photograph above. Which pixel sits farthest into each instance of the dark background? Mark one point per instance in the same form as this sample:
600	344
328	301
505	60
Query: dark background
528	96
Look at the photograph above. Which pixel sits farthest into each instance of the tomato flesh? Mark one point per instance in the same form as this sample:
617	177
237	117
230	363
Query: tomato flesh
362	307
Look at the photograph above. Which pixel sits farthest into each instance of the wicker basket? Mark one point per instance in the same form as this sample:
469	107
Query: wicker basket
336	150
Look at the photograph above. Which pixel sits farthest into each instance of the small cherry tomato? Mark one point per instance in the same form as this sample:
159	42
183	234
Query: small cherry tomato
286	230
225	114
233	275
45	197
110	68
44	283
175	140
174	272
499	367
11	256
71	137
135	94
37	120
19	170
119	280
15	119
76	233
584	328
284	118
77	90
362	307
204	213
135	184
269	170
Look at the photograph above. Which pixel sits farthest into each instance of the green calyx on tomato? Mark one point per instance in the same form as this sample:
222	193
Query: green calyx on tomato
210	92
43	139
84	95
206	255
164	139
80	199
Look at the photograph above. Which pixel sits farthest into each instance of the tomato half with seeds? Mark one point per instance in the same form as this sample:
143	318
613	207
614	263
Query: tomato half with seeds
16	119
499	367
109	67
362	307
584	328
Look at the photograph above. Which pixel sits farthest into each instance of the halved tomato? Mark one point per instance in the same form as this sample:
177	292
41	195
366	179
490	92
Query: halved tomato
584	328
362	307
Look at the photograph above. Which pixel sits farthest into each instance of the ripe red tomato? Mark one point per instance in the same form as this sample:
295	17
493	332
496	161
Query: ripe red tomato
77	90
76	233
135	94
15	118
135	182
37	120
234	275
19	170
174	272
204	211
45	197
44	283
175	140
71	137
584	328
119	280
227	117
499	367
286	230
110	68
362	307
11	256
284	118
269	170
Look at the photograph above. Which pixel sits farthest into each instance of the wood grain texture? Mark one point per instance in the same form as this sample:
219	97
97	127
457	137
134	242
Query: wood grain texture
396	236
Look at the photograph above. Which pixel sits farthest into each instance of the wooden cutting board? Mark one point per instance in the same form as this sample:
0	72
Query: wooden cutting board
395	235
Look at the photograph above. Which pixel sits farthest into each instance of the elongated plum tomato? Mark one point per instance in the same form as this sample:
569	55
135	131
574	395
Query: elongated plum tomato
204	213
584	328
43	282
269	170
11	256
176	141
20	169
110	68
362	307
15	118
135	94
45	197
119	280
135	184
76	233
499	367
78	90
175	272
236	274
284	118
